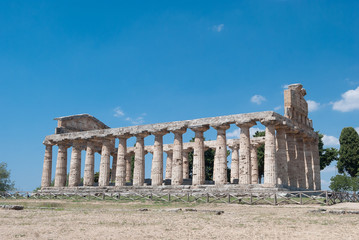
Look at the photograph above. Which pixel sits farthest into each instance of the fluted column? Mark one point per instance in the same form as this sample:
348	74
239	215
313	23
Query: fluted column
316	165
245	153
220	158
61	166
235	163
89	164
169	158
198	171
177	161
114	167
300	161
128	167
308	163
121	161
270	169
254	164
157	162
281	157
104	178
291	160
75	165
185	163
139	168
47	167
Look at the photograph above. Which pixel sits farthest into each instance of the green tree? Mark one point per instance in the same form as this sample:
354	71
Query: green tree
326	155
5	183
349	152
340	183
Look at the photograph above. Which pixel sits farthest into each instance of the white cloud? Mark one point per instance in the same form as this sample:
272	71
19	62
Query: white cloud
218	28
277	108
313	105
330	141
349	101
136	121
258	99
236	133
118	112
357	129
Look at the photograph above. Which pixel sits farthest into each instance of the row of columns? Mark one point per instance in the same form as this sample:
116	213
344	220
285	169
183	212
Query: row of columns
289	160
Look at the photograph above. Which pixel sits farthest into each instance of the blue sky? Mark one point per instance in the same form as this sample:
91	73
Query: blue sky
134	62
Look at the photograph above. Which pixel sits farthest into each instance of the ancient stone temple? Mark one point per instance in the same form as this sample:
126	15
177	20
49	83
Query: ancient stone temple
291	151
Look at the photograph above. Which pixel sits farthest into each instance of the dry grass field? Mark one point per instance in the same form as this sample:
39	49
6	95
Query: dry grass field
66	219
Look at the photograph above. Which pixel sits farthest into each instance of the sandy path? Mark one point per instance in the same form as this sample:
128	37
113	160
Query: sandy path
109	220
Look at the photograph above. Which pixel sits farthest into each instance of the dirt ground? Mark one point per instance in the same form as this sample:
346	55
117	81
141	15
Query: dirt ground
66	219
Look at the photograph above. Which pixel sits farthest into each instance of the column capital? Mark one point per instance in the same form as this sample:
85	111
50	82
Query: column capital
178	130
123	136
234	147
142	134
187	150
168	151
221	126
160	133
199	128
246	124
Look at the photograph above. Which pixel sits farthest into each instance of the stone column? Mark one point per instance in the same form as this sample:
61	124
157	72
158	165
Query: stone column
316	165
254	163
185	163
169	164
104	178
245	153
198	171
61	166
281	156
75	165
300	161
89	164
270	169
291	160
114	167
235	163
128	167
139	168
47	167
177	161
308	163
121	161
220	158
157	162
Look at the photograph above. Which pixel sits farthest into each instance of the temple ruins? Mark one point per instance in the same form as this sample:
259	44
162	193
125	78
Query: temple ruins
291	158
